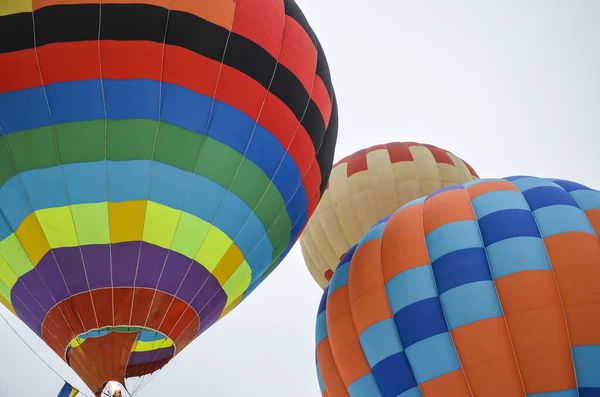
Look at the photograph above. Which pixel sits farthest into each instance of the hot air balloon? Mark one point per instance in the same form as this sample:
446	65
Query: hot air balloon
158	158
368	185
486	289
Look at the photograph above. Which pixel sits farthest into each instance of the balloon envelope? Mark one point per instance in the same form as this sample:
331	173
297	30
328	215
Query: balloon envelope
368	185
158	158
487	289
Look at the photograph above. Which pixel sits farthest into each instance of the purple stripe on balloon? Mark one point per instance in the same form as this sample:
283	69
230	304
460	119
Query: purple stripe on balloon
124	258
198	282
175	270
195	279
33	293
211	311
152	259
97	265
26	316
71	266
150	356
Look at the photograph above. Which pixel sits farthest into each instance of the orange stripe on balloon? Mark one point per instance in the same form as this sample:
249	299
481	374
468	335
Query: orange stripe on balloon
451	384
332	379
217	12
345	345
594	218
403	245
368	298
575	258
488	359
481	188
536	323
447	207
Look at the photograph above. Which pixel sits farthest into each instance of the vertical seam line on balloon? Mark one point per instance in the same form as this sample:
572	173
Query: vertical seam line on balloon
62	176
151	162
259	276
17	174
234	178
258	279
554	277
151	168
396	329
104	107
110	259
430	266
485	251
193	176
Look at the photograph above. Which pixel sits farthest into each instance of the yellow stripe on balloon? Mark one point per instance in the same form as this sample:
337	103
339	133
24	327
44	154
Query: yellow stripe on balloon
91	223
9	7
129	221
57	224
237	283
141	346
8	276
15	256
7	305
213	249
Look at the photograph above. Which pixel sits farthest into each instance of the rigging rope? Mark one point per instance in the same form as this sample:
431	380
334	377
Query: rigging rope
34	352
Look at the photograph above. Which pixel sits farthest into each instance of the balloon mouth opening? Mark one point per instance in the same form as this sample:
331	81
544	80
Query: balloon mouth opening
113	389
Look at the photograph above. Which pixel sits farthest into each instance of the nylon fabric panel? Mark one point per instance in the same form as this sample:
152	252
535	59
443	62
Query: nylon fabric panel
139	193
365	187
492	288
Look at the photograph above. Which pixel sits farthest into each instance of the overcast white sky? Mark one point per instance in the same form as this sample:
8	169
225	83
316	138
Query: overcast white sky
511	86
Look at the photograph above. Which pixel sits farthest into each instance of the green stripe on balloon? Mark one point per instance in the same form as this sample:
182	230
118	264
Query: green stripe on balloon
134	140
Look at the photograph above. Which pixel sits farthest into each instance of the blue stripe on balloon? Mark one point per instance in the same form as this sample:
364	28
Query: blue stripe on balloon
380	341
321	328
559	219
470	303
499	200
546	196
570	186
394	375
500	226
433	357
587	199
460	267
588	392
127	181
526	183
373	233
517	254
410	286
560	393
320	379
420	321
365	386
453	237
587	365
138	99
414	392
340	278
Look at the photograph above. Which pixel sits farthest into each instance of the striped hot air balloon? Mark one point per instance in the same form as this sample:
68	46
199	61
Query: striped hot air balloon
368	185
486	289
158	159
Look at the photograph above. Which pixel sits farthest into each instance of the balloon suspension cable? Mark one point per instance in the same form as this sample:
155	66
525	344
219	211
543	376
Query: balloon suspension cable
34	352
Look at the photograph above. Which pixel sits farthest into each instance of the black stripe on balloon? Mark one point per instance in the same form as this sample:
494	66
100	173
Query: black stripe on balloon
131	22
293	11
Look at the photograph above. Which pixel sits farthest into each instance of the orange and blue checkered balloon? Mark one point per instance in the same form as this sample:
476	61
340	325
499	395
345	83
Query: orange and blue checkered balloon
487	289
